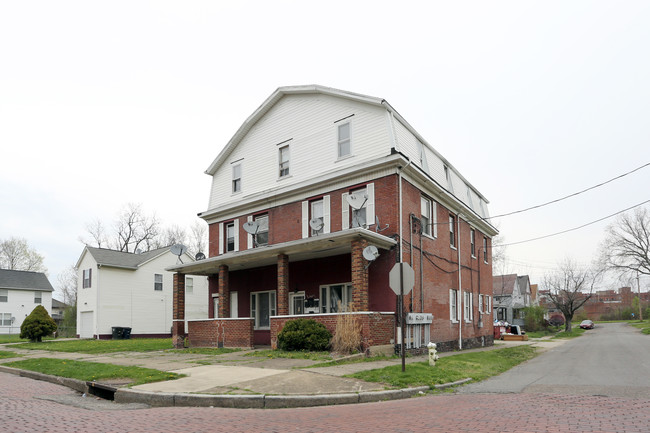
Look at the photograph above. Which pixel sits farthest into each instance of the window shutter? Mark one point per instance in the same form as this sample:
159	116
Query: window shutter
90	277
222	241
305	219
370	205
471	306
249	237
326	214
345	212
236	223
451	304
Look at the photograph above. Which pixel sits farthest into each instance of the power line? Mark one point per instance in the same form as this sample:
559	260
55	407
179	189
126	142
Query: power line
573	229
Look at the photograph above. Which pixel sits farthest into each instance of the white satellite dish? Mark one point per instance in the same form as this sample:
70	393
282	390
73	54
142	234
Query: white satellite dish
357	201
199	256
178	249
316	224
370	253
251	227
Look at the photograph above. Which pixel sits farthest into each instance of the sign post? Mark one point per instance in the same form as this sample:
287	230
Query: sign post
401	279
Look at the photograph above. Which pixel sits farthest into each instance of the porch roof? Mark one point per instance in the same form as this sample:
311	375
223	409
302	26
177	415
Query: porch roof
325	245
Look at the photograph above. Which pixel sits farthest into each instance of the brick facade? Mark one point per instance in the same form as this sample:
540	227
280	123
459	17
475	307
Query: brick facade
178	312
221	333
224	292
283	285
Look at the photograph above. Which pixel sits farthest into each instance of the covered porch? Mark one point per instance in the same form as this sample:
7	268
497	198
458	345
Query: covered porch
254	292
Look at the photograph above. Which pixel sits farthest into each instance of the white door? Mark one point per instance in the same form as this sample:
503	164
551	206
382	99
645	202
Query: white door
86	325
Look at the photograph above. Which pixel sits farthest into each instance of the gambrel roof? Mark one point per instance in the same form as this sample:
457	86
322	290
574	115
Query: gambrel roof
24	280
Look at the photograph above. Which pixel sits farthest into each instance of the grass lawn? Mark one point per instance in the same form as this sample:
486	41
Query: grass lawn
271	354
476	365
6	354
89	371
101	346
575	332
644	325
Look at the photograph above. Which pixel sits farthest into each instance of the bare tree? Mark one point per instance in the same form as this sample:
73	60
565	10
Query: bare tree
626	248
570	288
135	230
198	237
170	236
67	285
98	234
16	254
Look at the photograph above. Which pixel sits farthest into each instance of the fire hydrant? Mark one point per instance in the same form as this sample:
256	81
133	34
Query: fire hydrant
433	354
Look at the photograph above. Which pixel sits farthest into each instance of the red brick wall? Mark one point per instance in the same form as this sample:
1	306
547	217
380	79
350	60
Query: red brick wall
216	332
376	329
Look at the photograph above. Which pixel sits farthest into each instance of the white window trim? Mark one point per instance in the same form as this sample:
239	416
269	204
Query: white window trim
453	302
485	250
468	307
294	295
346	210
280	175
233	178
338	140
472	241
224	240
38	295
272	309
452	230
325	300
481	299
189	286
433	208
161	282
4	293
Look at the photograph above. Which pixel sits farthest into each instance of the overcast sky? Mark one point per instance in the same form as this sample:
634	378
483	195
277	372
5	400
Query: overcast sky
105	103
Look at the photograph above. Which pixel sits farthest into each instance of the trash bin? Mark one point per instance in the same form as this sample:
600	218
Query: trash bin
126	333
117	332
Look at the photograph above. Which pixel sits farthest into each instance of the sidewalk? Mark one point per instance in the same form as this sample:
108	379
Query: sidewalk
243	380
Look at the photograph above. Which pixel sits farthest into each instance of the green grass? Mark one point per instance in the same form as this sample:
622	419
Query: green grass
476	365
15	338
644	325
101	346
353	361
7	354
271	354
89	371
575	332
204	350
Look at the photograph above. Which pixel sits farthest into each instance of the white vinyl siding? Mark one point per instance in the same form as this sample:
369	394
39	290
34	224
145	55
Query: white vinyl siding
308	119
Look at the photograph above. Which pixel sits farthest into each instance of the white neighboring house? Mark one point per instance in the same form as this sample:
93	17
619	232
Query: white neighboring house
511	295
20	293
117	289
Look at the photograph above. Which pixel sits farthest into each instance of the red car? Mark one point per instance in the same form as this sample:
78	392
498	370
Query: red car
587	324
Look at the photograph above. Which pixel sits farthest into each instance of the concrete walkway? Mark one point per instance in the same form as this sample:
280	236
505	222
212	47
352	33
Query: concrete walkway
239	374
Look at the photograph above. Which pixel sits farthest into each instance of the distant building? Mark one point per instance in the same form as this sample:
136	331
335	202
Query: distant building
20	293
512	294
129	290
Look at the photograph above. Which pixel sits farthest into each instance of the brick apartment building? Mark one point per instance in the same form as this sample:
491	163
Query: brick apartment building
313	178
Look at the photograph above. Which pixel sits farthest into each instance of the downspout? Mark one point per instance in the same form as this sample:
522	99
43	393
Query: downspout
421	271
460	287
97	304
411	216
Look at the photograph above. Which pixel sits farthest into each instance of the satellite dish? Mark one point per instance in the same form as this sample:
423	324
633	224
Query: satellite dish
251	227
357	201
316	224
370	253
178	249
199	256
138	251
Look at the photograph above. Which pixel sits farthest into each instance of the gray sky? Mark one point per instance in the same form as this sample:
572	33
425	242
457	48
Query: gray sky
104	103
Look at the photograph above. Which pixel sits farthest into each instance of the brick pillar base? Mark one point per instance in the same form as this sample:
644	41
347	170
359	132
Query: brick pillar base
283	285
178	313
359	276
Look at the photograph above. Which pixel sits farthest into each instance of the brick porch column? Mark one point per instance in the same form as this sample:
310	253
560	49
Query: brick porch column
283	285
359	276
178	312
224	292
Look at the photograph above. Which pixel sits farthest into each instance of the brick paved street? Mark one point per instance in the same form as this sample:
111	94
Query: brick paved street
26	406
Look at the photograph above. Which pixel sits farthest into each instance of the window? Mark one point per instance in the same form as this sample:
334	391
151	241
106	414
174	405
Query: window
230	237
359	216
453	305
283	158
262	308
87	278
189	285
157	282
335	296
488	305
480	303
344	140
450	185
38	298
317	213
423	158
427	218
262	236
215	306
472	242
4	295
236	178
452	231
5	319
469	313
485	250
502	314
296	303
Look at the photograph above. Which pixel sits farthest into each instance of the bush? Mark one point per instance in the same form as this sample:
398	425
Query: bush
37	325
304	334
534	318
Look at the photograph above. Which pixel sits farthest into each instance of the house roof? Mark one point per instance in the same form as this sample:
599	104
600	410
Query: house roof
58	304
120	259
503	284
24	280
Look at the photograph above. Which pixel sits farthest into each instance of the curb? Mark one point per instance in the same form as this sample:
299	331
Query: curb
260	401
